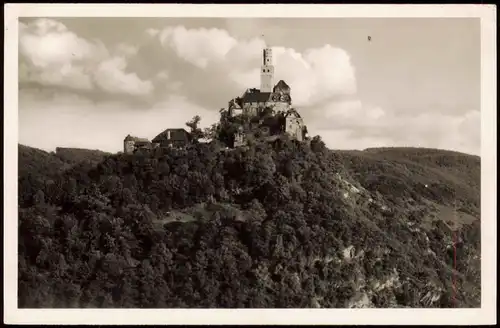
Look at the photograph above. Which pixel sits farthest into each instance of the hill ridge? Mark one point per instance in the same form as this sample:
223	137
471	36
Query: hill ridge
281	224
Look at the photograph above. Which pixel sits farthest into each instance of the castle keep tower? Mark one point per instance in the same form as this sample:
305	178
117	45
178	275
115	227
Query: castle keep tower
267	71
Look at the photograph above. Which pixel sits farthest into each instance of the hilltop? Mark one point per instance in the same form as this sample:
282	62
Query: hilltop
38	168
272	224
38	161
79	155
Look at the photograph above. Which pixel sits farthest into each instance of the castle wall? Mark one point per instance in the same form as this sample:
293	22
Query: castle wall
266	79
128	147
235	111
281	106
294	127
252	108
239	139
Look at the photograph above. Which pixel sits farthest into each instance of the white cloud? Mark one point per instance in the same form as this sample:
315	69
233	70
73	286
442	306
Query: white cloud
354	126
126	49
323	86
203	69
77	122
53	55
162	75
152	32
110	76
343	139
198	46
315	75
347	113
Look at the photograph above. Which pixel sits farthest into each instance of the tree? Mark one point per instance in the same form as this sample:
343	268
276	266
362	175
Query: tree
196	132
39	198
210	133
317	144
304	132
262	225
265	111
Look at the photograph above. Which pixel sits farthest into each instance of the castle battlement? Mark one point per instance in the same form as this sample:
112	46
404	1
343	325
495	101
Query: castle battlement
276	97
253	103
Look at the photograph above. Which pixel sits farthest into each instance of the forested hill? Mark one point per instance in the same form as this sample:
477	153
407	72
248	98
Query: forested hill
37	168
271	225
78	155
40	162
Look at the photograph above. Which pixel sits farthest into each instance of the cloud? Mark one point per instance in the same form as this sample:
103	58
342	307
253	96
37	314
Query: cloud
323	83
152	32
352	125
162	75
184	72
76	121
52	55
126	49
197	46
110	76
315	75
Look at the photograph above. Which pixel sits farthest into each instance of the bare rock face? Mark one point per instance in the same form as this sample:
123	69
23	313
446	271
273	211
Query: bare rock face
360	300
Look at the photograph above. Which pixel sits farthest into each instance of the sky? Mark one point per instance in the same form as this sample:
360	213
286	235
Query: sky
88	82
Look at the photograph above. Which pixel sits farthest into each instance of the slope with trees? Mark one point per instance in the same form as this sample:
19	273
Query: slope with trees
273	224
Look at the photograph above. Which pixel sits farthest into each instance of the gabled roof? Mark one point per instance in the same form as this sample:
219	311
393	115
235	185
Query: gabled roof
255	96
281	85
292	112
176	134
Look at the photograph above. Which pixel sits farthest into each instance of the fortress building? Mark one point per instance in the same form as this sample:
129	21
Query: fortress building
170	138
173	138
253	100
277	97
131	144
294	125
267	71
267	113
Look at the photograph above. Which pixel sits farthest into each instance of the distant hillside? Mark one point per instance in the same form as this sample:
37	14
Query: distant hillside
463	167
50	163
451	177
281	224
39	162
37	167
78	155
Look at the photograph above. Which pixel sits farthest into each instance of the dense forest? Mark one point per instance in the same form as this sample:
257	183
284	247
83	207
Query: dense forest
276	224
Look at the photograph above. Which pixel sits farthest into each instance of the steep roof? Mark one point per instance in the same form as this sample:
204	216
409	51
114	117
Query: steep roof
255	96
176	134
292	112
281	85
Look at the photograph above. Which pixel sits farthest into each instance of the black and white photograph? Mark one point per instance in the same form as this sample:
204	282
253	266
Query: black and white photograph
260	160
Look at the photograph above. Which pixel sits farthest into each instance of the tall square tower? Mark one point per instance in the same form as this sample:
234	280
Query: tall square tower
267	71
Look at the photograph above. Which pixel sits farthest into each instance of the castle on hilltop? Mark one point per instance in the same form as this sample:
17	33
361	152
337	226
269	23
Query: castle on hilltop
275	98
259	113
